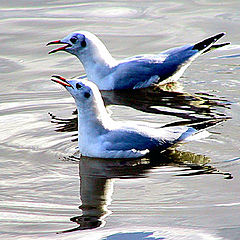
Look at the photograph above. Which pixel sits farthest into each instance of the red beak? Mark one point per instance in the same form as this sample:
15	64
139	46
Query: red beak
58	49
61	80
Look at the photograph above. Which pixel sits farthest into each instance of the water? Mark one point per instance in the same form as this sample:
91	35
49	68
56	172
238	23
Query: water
191	192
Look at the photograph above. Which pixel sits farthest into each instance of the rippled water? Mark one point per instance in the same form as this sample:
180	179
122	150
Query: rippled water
191	192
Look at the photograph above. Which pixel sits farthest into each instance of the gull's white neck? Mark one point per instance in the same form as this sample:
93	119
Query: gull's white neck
97	60
93	122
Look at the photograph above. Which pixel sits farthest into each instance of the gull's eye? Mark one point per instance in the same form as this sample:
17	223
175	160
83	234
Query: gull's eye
78	85
73	40
87	94
83	43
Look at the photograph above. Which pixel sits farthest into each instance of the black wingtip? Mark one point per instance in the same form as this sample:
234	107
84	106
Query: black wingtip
215	46
208	42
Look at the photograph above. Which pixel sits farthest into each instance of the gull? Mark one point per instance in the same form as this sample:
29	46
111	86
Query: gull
102	137
134	72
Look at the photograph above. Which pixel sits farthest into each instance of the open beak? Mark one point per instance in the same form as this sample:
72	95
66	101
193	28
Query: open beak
61	80
58	49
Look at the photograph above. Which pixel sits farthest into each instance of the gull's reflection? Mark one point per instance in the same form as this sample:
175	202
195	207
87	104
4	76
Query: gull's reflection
97	178
154	100
174	103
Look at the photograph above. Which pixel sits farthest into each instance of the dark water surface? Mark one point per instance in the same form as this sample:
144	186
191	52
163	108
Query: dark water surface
191	192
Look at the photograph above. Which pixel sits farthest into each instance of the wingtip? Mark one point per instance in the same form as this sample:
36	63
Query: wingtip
219	35
215	46
208	42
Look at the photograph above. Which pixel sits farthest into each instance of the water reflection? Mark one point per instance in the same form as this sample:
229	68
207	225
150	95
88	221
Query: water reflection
97	178
158	101
167	100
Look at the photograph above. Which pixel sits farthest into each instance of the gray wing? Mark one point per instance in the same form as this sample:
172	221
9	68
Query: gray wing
150	139
142	71
127	140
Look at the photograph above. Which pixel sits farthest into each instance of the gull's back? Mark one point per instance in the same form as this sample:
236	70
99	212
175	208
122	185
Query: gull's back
142	71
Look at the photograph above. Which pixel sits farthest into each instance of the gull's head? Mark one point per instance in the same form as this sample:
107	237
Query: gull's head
86	46
75	43
85	93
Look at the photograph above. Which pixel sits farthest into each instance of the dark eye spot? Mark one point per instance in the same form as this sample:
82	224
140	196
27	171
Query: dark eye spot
87	94
83	43
73	40
78	85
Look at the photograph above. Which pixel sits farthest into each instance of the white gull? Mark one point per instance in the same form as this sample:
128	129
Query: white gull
102	137
135	72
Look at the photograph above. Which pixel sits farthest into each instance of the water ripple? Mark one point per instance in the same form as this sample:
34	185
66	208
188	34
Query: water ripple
9	66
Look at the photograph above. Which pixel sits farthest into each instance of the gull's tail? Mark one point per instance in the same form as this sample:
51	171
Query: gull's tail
208	44
196	129
187	54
